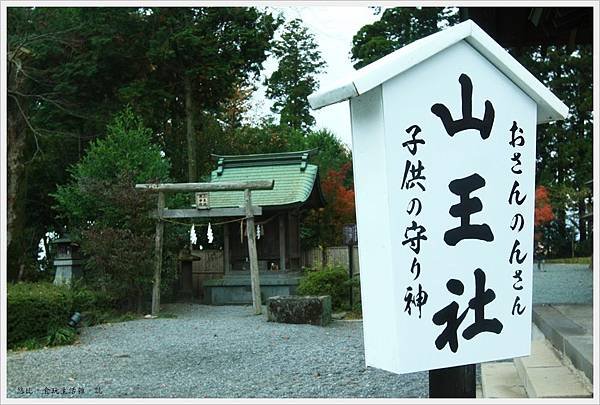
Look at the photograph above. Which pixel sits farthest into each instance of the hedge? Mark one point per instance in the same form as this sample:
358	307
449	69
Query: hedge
331	281
39	310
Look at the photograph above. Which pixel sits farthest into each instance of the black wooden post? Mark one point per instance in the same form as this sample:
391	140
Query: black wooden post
350	274
452	382
350	239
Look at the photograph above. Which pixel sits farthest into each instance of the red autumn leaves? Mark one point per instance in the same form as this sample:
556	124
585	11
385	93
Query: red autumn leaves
543	209
340	201
339	197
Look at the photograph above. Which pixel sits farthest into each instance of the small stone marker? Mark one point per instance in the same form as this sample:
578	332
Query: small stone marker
299	309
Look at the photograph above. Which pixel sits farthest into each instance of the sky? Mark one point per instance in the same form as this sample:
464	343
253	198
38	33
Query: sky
333	27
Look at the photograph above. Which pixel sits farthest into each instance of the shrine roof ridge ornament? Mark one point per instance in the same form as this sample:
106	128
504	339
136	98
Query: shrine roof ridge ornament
264	159
549	107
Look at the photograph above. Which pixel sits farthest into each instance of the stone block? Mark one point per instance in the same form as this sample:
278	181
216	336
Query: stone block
237	289
299	309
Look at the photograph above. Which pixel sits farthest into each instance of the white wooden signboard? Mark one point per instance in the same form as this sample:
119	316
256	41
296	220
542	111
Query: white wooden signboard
444	169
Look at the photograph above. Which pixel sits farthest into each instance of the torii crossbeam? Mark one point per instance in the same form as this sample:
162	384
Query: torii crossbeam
248	211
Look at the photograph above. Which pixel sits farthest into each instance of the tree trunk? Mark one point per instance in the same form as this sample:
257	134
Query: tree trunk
565	245
564	248
15	190
190	132
16	136
47	258
140	300
21	272
323	255
15	148
582	224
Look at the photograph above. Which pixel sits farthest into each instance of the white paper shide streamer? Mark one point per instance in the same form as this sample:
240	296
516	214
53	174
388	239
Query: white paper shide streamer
209	234
193	237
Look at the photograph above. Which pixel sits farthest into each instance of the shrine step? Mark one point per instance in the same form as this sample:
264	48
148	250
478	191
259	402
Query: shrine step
546	374
569	329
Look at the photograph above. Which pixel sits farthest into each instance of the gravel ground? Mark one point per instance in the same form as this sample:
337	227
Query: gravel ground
562	284
213	352
226	352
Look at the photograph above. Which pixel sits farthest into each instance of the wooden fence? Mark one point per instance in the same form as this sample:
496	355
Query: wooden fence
211	261
332	256
209	265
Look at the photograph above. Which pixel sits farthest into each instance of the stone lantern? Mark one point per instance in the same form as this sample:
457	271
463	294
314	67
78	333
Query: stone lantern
67	262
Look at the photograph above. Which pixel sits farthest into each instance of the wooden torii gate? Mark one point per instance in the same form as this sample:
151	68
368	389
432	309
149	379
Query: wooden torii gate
248	211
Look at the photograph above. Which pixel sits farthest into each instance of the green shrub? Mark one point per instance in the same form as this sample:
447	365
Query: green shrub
94	306
62	335
34	309
91	318
38	313
331	281
355	313
86	300
31	344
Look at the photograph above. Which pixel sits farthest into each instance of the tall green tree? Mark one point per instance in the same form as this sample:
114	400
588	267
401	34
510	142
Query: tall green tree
71	69
295	78
565	148
271	138
110	217
396	28
195	59
64	67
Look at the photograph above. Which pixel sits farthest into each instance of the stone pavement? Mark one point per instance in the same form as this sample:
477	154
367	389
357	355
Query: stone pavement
560	364
570	330
582	315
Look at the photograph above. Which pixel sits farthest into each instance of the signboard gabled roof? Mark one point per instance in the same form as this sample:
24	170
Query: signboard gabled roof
549	107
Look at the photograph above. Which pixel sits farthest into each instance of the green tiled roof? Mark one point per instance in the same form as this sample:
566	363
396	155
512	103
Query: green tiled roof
294	178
